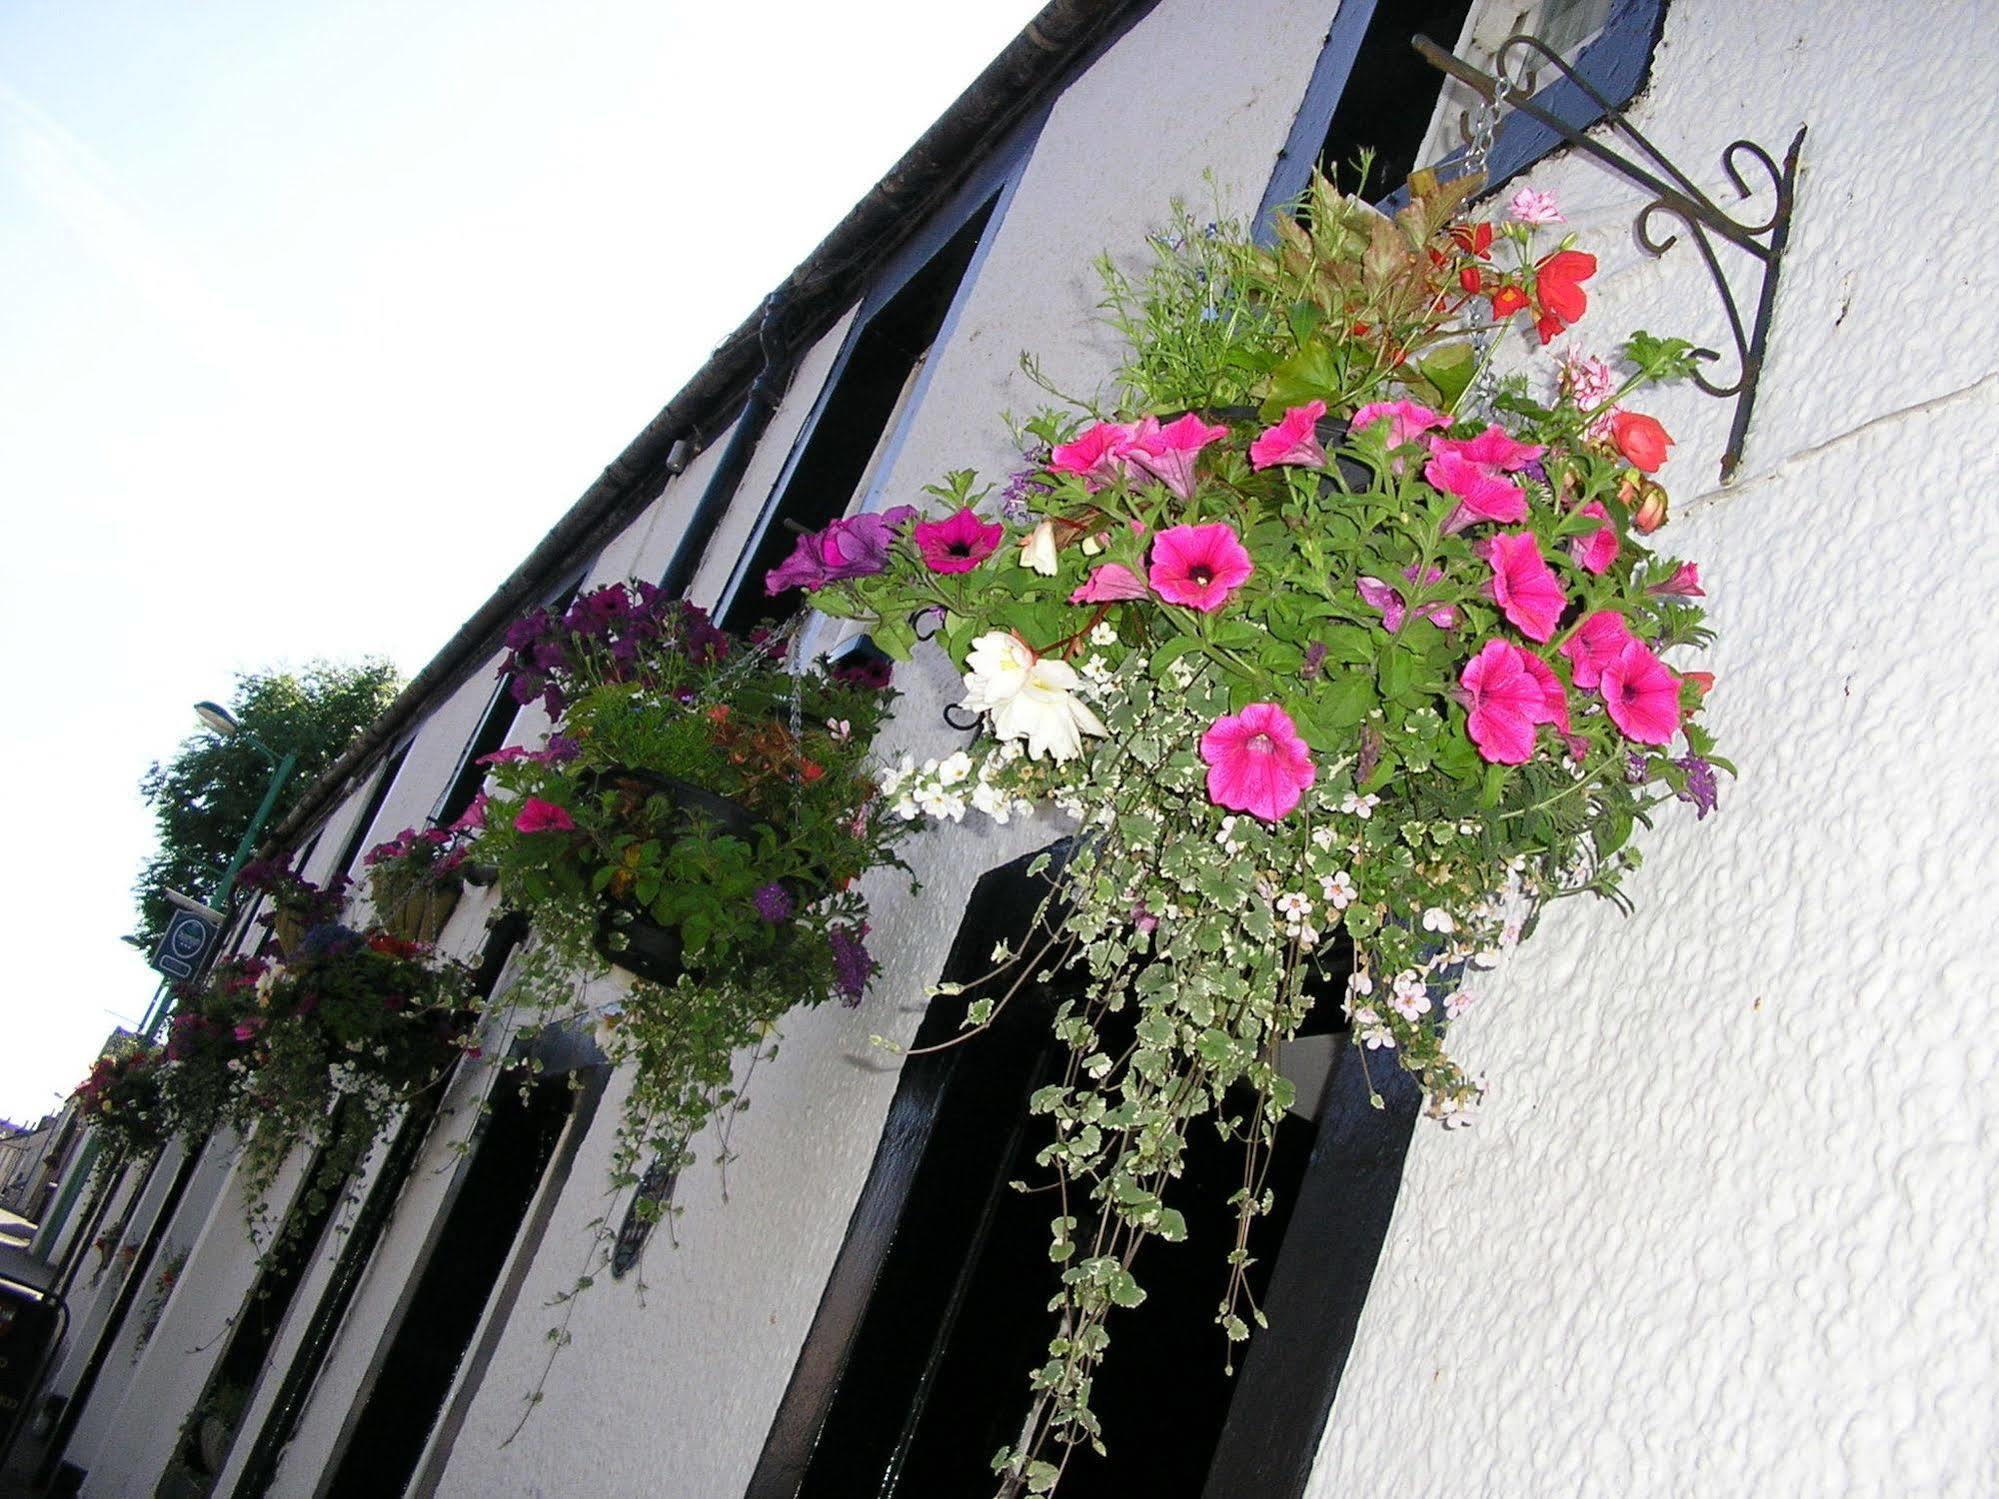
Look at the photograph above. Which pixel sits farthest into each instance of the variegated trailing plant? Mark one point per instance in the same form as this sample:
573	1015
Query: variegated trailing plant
1321	633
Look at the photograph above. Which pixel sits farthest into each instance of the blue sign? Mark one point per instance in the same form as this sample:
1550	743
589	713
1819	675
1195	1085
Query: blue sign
187	937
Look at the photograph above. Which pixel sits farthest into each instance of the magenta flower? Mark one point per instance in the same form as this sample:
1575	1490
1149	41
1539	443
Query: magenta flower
1168	453
1523	584
1506	699
538	816
1554	697
1643	697
1256	762
958	543
1295	440
1101	454
473	818
854	547
1394	608
1594	645
1108	584
1199	566
1406	420
1595	552
1685	583
507	756
1475	471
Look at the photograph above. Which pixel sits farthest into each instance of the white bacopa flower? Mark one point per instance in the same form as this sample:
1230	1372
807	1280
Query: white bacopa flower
1437	919
1028	696
955	768
1411	997
1339	890
937	802
1323	837
1103	632
1457	1002
1227	838
1359	983
1293	906
1359	806
1037	549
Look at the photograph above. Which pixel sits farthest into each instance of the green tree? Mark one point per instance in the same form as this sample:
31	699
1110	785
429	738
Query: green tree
204	797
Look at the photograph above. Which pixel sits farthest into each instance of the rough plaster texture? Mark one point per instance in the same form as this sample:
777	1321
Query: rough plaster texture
1727	1226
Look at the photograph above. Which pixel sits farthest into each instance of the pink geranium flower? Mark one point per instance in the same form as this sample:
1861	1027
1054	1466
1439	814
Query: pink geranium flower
1595	552
1523	584
1505	699
1168	453
1256	762
1641	694
1594	645
1199	566
538	816
1100	454
1108	584
1406	420
1295	440
958	543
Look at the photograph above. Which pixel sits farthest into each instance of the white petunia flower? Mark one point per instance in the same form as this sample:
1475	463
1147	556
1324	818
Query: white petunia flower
1037	549
954	769
1028	696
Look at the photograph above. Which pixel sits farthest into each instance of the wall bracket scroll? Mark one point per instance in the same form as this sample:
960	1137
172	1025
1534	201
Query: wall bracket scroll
1675	197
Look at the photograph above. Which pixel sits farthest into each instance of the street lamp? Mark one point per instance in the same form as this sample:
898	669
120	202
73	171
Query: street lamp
219	720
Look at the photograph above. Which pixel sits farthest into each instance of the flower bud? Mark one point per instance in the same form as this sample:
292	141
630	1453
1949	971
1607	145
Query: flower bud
1641	440
1646	501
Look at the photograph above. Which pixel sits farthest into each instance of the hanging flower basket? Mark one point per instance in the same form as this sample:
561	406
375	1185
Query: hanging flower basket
626	936
1323	635
416	879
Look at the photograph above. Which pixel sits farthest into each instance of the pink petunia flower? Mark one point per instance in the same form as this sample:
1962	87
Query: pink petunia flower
1407	420
1505	699
1641	694
1295	440
1596	551
1100	454
1523	584
473	818
958	543
1594	645
1684	583
1256	762
1199	566
1168	453
1108	584
1554	697
1482	494
538	816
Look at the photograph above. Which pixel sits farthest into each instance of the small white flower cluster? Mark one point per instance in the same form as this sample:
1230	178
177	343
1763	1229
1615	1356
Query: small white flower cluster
942	789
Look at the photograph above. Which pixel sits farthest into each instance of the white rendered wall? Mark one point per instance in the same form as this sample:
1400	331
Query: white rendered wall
1726	1227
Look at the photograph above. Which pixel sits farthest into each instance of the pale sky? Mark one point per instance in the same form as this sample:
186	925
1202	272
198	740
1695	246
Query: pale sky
315	317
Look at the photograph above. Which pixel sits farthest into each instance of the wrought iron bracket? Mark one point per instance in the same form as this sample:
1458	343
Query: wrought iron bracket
1675	196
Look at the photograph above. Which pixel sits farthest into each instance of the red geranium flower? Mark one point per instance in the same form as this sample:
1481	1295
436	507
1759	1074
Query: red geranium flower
1558	290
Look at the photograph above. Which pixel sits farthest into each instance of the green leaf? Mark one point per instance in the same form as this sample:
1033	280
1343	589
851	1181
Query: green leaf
1450	369
1310	374
1346	700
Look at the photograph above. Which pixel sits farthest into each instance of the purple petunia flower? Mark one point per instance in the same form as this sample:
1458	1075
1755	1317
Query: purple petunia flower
1702	788
773	903
852	966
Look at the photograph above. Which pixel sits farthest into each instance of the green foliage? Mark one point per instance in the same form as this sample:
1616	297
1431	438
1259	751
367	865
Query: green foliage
204	797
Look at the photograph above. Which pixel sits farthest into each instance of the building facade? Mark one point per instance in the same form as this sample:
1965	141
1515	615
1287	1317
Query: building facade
1726	1226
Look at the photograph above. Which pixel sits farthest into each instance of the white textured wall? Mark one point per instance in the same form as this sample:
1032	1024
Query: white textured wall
1727	1226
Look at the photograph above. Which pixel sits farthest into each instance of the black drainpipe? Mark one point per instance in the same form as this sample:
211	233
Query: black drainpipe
761	405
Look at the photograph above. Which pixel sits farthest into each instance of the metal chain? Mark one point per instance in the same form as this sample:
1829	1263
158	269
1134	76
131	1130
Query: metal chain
1484	127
